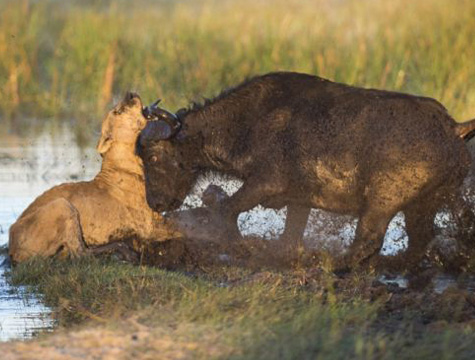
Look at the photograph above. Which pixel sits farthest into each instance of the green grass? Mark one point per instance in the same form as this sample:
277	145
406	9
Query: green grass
71	58
268	315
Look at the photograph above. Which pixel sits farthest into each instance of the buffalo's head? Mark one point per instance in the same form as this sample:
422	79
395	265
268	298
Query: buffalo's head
169	158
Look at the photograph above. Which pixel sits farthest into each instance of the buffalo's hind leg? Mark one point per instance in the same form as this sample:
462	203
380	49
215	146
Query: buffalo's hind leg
465	220
420	230
369	237
389	193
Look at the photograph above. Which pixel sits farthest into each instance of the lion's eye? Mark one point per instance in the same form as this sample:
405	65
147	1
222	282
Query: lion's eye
153	158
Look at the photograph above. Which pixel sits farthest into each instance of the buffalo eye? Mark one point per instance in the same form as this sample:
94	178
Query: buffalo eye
153	158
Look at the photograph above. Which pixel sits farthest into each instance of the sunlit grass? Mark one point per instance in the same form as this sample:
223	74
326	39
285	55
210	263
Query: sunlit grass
72	58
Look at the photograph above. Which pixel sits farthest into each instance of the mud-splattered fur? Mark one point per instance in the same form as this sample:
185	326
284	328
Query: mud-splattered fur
301	141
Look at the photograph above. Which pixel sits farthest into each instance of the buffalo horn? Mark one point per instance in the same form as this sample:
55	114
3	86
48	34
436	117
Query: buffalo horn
155	104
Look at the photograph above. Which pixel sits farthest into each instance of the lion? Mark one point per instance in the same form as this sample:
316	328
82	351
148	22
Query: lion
73	219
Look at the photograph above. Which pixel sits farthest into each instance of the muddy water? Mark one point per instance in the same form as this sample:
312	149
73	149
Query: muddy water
28	166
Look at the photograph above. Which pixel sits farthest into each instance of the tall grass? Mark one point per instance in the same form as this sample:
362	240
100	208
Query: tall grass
74	57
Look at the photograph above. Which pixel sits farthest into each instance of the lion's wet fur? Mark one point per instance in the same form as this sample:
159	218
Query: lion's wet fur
75	217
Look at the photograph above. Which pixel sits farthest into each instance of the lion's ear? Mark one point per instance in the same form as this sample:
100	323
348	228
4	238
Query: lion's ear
104	144
105	140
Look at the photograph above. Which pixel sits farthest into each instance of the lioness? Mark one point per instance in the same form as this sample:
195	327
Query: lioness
72	218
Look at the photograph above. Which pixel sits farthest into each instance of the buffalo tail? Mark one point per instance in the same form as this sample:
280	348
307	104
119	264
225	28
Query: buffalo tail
466	130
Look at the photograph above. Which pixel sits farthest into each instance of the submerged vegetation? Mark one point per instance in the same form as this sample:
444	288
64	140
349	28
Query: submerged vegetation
71	58
232	312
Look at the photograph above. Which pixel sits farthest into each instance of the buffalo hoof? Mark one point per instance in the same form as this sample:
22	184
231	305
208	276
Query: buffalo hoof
342	271
350	262
342	266
290	250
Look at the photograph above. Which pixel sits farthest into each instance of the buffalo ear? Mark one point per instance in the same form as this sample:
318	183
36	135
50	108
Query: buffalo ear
157	130
163	130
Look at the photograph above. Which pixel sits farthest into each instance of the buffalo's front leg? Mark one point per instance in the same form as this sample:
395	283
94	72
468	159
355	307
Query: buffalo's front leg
295	224
252	193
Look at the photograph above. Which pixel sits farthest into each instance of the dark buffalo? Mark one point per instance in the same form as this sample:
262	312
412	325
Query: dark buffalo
301	141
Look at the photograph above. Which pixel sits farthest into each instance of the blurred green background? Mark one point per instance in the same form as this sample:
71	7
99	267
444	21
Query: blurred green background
72	59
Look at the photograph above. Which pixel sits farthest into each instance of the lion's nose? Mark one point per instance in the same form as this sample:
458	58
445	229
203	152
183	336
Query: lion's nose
132	95
131	99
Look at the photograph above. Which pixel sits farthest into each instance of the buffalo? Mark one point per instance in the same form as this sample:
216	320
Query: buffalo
304	142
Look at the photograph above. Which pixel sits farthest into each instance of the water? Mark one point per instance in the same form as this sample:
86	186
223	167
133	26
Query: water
21	315
440	282
324	229
29	166
443	281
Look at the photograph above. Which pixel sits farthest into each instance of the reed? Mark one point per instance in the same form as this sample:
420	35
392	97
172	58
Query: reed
72	58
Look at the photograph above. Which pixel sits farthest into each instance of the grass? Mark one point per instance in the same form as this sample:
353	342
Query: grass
234	313
72	58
